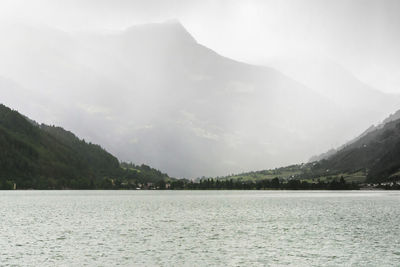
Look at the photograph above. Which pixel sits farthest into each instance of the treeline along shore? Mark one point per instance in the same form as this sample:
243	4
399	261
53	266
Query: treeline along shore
208	184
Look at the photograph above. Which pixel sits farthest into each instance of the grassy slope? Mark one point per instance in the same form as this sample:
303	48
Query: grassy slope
303	172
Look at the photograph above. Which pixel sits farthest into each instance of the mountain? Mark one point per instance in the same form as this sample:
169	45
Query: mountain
152	94
362	104
326	155
373	157
392	117
376	152
322	156
45	157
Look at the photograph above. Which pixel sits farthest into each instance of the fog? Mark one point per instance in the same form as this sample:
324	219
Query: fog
362	35
203	87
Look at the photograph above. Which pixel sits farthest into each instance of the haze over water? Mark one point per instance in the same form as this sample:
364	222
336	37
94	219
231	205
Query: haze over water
199	228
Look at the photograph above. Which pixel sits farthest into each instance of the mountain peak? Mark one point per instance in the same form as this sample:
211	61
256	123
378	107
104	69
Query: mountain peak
170	29
175	22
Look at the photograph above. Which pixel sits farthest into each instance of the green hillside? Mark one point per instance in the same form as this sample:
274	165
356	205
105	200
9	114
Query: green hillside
377	154
309	173
46	157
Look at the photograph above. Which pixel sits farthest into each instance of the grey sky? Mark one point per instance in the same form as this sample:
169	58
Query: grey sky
362	35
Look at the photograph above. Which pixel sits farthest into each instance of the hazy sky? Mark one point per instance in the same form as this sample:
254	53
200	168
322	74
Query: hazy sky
362	35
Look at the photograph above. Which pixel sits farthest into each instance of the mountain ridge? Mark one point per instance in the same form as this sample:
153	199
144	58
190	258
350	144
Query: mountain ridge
155	99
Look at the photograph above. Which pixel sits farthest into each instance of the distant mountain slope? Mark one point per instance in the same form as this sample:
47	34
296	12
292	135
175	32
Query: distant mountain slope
152	94
41	156
333	81
362	105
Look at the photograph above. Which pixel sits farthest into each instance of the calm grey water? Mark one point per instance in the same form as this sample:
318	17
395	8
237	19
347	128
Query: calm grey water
199	228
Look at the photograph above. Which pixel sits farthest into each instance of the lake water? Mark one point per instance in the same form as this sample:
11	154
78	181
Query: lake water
200	228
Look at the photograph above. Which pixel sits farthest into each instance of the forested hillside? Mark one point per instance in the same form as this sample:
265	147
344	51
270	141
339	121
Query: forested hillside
47	157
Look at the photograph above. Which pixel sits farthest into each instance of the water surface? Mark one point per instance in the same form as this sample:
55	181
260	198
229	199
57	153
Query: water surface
200	228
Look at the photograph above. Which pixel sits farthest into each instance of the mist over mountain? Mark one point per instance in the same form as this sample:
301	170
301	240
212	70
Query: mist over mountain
152	94
360	101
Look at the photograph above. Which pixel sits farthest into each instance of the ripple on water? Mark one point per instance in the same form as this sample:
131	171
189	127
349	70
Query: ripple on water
199	228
